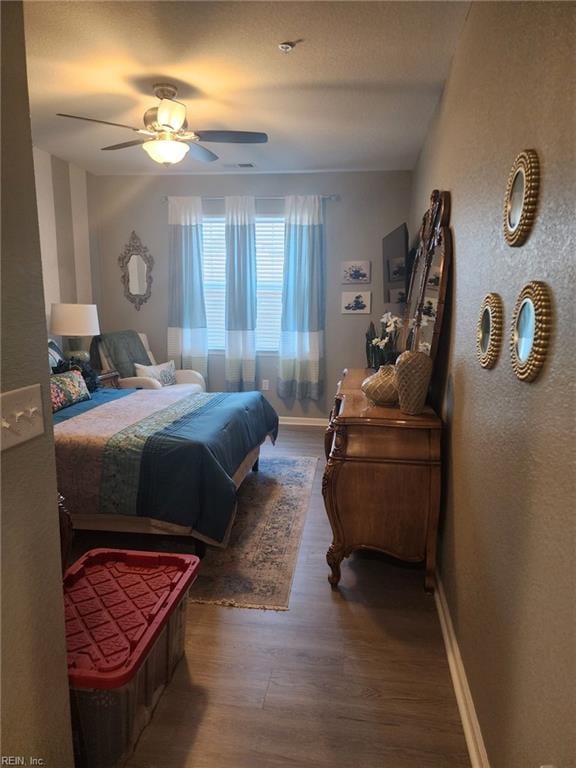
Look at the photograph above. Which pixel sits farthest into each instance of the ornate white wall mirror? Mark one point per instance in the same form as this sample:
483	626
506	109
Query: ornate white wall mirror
136	265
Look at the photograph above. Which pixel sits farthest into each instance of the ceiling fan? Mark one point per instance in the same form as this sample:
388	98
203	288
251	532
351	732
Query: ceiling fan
168	138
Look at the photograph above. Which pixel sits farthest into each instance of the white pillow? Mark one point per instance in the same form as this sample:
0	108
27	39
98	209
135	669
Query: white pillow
164	373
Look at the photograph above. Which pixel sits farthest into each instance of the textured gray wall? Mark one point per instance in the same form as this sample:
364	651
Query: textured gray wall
61	191
64	229
370	205
508	540
34	703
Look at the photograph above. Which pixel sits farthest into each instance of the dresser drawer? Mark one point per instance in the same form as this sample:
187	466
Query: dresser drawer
385	506
356	441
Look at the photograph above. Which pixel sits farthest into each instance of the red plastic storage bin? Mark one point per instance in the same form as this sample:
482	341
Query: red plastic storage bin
125	626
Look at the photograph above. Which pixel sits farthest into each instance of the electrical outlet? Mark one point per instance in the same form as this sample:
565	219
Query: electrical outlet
22	417
265	385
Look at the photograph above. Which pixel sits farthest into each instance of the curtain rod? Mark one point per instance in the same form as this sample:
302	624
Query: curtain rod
257	197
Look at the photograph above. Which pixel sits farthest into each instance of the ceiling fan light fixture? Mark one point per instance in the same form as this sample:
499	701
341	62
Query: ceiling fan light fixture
171	114
166	151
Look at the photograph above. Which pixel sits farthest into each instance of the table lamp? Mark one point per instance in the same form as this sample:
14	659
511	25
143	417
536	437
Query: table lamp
73	321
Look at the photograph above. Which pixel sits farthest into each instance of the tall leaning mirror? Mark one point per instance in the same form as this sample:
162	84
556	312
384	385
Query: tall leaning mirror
427	291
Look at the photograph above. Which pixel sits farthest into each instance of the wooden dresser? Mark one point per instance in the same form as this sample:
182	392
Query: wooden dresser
381	485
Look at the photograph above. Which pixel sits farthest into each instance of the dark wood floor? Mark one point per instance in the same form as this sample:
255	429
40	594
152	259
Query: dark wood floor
356	676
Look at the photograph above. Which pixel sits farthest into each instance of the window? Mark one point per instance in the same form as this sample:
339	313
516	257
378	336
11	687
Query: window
214	267
269	272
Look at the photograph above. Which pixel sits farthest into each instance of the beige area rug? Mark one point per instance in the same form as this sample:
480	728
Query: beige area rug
257	567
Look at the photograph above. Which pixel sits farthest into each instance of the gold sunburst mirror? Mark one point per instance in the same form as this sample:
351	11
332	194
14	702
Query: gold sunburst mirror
531	329
521	197
489	330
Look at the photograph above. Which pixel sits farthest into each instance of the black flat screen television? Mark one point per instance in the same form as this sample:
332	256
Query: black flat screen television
396	268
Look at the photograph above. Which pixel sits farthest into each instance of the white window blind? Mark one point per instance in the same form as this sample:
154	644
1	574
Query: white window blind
269	271
214	268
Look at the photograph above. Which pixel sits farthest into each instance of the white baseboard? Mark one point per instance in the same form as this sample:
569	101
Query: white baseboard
470	724
303	421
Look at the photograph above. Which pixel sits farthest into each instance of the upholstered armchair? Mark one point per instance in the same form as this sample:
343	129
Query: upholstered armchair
185	380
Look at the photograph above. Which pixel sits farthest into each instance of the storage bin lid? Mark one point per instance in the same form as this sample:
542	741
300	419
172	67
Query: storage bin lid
116	604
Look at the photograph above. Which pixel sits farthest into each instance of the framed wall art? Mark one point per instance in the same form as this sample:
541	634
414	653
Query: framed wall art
397	295
397	269
356	302
355	272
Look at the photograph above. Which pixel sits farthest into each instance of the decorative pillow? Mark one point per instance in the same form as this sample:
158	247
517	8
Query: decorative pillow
165	373
55	354
66	389
75	364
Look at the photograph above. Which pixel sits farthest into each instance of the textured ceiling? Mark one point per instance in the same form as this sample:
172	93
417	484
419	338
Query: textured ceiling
356	94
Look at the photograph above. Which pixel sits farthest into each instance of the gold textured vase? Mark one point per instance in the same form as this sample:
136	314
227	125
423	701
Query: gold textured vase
380	388
413	373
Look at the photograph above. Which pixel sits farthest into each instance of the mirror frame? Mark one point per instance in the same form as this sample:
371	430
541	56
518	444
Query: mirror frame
538	294
492	304
134	247
528	165
434	232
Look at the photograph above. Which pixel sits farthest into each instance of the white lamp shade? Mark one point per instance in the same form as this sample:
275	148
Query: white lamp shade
171	114
74	320
167	151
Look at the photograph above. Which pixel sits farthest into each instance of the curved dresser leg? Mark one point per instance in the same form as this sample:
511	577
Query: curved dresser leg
334	557
328	437
430	581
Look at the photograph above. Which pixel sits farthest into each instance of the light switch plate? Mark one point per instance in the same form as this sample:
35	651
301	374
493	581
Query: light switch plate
22	416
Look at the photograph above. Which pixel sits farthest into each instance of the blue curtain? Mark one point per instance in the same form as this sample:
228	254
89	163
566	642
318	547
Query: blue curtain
187	331
240	363
301	355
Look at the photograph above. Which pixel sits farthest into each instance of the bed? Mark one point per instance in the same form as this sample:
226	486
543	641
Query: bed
159	461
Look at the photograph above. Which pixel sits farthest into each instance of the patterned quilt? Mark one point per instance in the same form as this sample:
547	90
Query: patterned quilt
159	454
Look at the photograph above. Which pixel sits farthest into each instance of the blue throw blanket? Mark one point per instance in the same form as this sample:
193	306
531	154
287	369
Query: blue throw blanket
124	348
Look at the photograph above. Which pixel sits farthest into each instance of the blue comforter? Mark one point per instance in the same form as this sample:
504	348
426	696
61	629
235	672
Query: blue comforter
176	464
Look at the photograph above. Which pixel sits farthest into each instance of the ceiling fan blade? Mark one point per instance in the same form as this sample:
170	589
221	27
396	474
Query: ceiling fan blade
233	137
201	153
126	144
102	122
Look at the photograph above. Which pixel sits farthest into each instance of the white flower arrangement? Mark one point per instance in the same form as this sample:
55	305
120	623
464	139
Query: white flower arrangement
385	345
385	348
